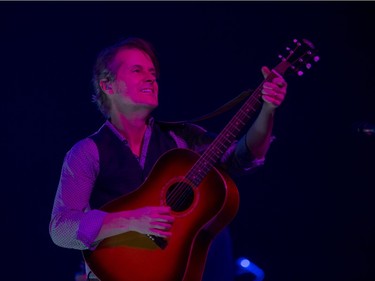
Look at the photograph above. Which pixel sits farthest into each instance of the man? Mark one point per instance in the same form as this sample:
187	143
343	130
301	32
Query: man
118	158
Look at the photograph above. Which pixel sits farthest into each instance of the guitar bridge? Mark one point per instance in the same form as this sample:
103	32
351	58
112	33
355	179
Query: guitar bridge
159	241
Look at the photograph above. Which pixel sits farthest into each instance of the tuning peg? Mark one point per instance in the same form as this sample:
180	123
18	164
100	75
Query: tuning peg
295	41
297	70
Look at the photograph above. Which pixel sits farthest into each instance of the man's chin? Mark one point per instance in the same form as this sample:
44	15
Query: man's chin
151	106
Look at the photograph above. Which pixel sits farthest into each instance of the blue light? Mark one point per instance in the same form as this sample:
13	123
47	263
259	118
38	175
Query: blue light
245	266
244	262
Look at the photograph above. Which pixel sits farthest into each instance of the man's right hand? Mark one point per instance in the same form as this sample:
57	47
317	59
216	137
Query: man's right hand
153	220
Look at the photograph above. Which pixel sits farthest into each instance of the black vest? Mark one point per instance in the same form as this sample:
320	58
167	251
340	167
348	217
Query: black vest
120	171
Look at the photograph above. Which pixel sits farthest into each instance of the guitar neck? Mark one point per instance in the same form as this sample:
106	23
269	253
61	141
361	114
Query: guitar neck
227	136
298	56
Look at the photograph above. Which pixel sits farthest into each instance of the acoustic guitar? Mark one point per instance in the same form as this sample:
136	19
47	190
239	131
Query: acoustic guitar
202	197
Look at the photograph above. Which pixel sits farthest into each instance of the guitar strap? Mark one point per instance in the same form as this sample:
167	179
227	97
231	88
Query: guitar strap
224	108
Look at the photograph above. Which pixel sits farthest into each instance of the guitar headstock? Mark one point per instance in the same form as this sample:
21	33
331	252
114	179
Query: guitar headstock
301	55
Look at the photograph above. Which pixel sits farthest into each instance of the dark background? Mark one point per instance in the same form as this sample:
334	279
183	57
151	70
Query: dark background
308	214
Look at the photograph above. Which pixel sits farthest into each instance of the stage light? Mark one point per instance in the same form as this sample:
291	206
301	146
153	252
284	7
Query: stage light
245	266
244	262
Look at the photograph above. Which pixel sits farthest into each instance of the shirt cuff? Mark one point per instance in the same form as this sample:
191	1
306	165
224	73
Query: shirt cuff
245	158
90	226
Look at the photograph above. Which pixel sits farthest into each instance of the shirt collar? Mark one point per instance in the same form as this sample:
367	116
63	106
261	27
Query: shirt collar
108	123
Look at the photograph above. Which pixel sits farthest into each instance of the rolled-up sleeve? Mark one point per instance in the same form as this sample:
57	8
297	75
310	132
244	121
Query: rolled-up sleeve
73	224
236	160
239	160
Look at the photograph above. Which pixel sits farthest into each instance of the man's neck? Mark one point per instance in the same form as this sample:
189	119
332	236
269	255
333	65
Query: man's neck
133	129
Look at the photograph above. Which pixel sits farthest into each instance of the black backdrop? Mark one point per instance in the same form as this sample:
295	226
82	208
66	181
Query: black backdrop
307	215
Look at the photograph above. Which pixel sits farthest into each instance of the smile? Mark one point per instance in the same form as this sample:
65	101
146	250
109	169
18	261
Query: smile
147	90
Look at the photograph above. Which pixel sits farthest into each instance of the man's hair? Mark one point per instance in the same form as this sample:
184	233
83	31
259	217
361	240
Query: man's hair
104	68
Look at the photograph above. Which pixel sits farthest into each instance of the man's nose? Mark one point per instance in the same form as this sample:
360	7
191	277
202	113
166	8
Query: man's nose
150	77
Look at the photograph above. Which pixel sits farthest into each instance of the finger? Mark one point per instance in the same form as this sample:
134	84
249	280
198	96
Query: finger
265	71
164	218
160	233
273	99
155	212
274	92
163	210
280	82
159	209
161	226
270	85
275	86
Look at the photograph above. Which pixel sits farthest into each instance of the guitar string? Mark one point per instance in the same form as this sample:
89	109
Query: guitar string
209	158
206	162
202	162
179	194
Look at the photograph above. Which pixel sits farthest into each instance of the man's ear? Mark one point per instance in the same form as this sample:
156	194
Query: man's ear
106	86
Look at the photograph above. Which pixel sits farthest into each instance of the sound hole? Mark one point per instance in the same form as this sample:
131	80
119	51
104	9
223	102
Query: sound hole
180	196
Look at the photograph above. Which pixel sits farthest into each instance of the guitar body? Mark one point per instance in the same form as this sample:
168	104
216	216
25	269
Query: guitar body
137	257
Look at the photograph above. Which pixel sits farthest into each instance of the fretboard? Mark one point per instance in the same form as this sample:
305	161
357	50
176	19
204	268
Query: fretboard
227	136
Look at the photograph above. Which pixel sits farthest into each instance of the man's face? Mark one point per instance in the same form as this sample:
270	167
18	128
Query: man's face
135	83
